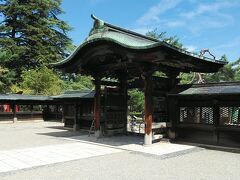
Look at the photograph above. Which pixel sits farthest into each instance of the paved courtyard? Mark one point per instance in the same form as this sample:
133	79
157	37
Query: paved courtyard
45	150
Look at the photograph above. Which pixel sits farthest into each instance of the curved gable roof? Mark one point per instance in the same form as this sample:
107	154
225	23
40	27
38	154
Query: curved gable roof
113	47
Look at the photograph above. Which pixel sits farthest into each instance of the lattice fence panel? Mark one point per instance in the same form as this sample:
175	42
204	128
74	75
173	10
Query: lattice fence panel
199	115
229	116
207	115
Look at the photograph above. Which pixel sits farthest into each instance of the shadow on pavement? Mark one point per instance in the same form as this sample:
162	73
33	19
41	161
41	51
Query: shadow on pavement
117	140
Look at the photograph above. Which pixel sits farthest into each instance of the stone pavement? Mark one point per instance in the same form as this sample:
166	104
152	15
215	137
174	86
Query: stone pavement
17	159
133	143
28	145
38	156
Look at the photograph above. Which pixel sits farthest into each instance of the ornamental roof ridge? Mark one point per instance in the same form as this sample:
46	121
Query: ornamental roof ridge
100	24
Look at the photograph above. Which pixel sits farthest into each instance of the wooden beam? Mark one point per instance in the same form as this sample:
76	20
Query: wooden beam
109	83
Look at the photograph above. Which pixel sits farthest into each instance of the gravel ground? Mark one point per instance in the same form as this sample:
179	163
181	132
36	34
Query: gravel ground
32	134
205	164
193	164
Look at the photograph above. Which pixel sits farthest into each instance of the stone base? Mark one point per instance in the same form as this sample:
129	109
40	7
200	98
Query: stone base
148	139
97	134
75	127
15	119
115	132
171	134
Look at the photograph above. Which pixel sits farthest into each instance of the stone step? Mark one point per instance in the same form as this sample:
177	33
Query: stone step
158	136
158	125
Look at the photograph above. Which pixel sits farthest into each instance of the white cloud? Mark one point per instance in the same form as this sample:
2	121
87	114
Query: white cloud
230	44
142	30
191	48
208	8
207	22
209	16
230	48
174	24
202	16
95	2
152	15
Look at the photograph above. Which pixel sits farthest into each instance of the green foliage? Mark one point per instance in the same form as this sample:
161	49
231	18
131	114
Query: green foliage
187	78
6	75
31	34
173	40
237	74
41	81
227	73
3	72
159	74
136	101
79	82
156	35
224	58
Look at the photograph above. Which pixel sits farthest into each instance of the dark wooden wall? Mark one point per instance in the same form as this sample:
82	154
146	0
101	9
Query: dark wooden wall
208	120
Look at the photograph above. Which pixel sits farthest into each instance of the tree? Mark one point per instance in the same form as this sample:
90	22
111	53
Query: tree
32	34
236	67
3	72
226	73
173	40
40	81
79	82
6	75
162	37
136	101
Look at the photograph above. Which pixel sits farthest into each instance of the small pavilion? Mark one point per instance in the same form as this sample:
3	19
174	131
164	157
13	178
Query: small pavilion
131	58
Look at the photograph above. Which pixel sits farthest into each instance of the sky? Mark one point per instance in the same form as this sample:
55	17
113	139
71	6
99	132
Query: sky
199	24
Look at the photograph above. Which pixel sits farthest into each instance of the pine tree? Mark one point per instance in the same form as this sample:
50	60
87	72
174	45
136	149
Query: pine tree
32	34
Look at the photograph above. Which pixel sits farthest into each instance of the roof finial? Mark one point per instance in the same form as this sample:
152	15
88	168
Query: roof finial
98	23
93	17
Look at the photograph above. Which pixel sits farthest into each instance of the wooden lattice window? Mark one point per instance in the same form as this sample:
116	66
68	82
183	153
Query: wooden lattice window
229	115
199	115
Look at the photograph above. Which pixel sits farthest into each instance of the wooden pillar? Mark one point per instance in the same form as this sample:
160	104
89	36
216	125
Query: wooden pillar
14	113
148	109
173	116
172	76
97	106
31	109
216	118
125	100
56	115
63	109
75	125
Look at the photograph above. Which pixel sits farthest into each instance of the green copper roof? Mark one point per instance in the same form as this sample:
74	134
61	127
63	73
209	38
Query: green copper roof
75	95
223	88
21	97
133	45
